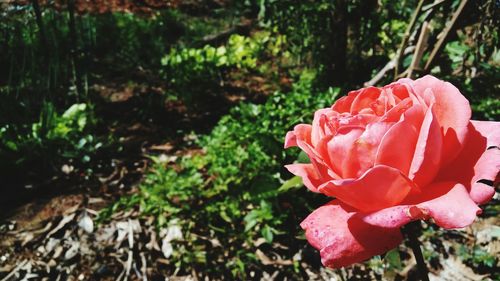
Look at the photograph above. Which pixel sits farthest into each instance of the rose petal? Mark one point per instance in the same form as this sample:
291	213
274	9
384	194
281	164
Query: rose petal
486	165
454	209
363	100
393	217
393	151
382	104
308	173
322	149
476	162
308	149
399	90
489	130
448	203
323	172
301	132
452	111
344	103
427	157
363	151
317	132
339	146
290	139
408	84
342	243
395	113
380	187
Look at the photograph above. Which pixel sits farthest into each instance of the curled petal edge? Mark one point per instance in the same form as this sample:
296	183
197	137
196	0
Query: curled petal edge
478	161
345	236
308	174
450	205
342	242
301	132
379	187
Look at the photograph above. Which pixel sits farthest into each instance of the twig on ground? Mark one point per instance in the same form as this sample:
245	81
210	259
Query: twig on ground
144	268
131	248
65	220
15	270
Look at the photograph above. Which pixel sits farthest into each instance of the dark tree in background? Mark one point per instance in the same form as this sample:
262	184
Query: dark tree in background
334	35
335	69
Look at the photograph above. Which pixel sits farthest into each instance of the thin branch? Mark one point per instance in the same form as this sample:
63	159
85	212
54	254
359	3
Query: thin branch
444	35
419	50
433	5
406	36
75	64
390	65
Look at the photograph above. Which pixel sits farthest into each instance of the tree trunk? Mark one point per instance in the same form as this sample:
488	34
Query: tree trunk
39	22
74	50
336	66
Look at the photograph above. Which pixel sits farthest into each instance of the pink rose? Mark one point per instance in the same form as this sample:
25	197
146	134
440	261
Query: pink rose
389	156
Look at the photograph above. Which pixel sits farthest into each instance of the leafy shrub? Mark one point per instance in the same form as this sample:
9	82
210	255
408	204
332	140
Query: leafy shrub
489	107
476	73
55	139
198	72
240	51
234	184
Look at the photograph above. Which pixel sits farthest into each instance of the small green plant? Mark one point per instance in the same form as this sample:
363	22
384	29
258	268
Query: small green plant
261	216
55	139
477	256
195	73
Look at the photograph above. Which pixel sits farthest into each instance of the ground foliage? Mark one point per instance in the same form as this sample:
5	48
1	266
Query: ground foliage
167	119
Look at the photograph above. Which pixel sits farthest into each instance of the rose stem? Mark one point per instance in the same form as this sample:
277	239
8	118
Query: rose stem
411	230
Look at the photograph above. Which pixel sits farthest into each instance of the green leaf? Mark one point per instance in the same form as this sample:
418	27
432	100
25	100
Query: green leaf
224	216
11	145
393	259
250	225
267	233
292	183
303	158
